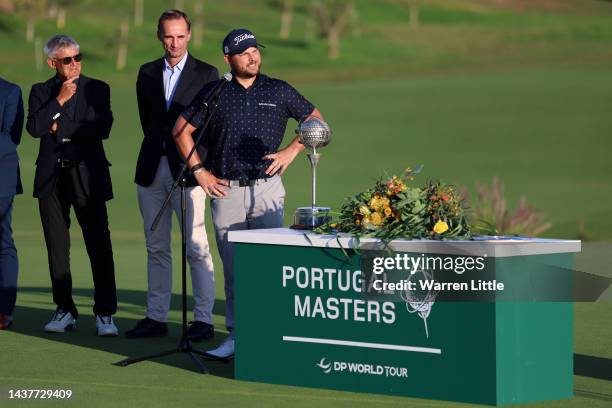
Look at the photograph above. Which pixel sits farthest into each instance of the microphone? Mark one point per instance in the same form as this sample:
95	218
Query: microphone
214	93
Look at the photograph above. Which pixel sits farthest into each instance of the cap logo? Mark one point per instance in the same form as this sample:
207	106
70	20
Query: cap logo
226	49
242	37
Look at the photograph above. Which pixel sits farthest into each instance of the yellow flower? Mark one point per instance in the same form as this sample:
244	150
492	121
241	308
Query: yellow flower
377	218
377	203
388	211
441	227
364	210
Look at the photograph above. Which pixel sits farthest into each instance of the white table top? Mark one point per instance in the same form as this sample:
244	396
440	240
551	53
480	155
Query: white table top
484	246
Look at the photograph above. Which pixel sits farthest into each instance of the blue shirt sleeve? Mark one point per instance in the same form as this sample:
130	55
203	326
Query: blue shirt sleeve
297	106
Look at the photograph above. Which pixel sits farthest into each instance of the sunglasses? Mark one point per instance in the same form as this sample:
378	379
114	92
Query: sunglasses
68	60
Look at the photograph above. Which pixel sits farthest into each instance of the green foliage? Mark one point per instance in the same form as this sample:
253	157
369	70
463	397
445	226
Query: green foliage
445	204
519	94
491	215
395	209
451	35
524	101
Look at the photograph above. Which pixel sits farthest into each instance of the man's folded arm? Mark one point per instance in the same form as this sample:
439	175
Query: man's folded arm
41	115
93	130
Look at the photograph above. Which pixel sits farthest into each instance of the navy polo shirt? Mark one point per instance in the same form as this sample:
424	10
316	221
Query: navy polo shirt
248	124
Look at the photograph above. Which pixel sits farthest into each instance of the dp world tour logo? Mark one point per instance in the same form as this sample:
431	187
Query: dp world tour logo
361	368
326	367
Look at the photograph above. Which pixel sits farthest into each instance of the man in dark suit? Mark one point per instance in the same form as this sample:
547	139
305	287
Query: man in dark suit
11	123
71	115
164	88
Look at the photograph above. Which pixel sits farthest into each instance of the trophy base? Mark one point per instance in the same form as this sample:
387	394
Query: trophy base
310	217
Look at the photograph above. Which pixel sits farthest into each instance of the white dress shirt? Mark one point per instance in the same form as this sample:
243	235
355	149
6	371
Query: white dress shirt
171	78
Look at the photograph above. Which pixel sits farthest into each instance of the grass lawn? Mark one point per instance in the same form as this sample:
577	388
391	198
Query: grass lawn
82	362
543	131
521	90
517	124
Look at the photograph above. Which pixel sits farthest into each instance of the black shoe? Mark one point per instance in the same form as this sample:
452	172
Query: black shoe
199	331
147	328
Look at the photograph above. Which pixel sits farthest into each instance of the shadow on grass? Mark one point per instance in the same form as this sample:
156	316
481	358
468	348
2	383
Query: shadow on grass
135	300
31	320
594	367
4	28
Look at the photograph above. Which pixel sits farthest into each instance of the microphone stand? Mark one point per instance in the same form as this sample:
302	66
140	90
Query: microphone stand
184	345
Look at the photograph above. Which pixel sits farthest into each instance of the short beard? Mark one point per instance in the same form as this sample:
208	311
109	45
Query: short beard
245	74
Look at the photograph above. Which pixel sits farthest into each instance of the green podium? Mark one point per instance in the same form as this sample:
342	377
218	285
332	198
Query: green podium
300	321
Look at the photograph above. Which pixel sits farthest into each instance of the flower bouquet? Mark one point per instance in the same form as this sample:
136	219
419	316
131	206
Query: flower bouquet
394	208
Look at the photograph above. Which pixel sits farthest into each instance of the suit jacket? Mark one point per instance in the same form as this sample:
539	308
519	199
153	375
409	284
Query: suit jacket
11	123
87	126
157	121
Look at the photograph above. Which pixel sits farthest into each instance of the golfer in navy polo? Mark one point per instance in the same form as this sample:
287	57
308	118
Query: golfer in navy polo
239	165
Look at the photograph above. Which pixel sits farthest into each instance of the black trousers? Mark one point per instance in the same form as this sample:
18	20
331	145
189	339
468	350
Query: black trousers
9	266
93	219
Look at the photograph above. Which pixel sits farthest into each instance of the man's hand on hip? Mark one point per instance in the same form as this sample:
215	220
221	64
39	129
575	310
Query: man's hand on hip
281	159
211	185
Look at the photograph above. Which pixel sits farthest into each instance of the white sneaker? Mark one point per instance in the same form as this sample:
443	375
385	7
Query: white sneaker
105	326
60	322
226	349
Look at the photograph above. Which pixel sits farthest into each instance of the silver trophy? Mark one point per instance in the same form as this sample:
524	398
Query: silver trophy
313	134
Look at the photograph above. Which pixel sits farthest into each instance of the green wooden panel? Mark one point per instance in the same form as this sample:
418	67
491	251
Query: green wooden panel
535	338
315	336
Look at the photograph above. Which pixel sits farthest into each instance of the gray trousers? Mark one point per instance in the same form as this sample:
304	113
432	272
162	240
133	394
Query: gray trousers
159	256
8	258
260	205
